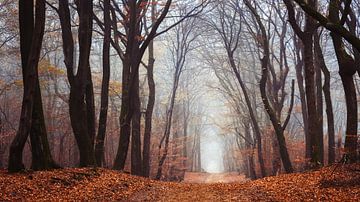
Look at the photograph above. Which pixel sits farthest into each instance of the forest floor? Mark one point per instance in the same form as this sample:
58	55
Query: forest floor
109	185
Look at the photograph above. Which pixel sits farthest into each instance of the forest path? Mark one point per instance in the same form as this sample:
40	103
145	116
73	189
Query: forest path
197	177
197	186
195	192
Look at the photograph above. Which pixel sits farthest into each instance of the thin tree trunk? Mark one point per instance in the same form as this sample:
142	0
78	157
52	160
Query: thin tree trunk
168	122
149	111
186	111
251	112
300	81
136	161
198	151
319	98
279	129
328	102
99	147
250	155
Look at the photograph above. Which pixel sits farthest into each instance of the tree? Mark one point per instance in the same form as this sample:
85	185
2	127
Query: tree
275	119
150	102
306	37
32	116
81	101
327	94
135	47
347	69
181	47
100	138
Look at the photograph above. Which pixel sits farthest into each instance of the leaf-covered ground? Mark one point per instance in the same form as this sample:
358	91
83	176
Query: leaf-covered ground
101	184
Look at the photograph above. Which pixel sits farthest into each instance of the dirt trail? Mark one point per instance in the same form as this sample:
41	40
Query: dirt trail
194	177
196	187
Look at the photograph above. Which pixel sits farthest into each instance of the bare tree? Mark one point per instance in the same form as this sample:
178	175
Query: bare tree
32	116
275	119
100	138
320	61
306	36
81	101
181	47
150	102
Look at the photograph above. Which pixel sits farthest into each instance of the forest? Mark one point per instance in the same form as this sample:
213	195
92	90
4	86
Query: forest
255	93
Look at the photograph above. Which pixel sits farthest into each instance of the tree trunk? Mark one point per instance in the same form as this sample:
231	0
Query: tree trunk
251	112
276	158
135	49
186	111
136	161
319	98
347	69
41	154
300	81
328	102
90	109
311	100
149	111
81	100
30	78
198	151
306	37
99	147
168	122
279	129
250	155
125	127
81	96
130	76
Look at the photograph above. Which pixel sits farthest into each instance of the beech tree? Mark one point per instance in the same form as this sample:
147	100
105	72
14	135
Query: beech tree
81	100
32	117
321	66
100	138
306	36
135	47
151	100
347	69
